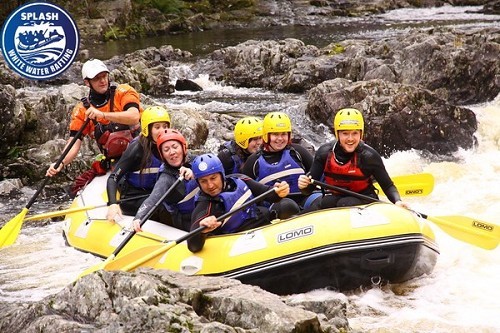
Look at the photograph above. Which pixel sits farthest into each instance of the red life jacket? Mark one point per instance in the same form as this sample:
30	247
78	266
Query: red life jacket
348	176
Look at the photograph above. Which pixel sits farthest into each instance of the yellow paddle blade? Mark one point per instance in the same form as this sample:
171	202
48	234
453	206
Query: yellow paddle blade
97	267
10	231
416	185
139	257
482	234
49	215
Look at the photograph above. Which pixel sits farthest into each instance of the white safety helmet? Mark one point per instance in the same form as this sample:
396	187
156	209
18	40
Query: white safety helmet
93	67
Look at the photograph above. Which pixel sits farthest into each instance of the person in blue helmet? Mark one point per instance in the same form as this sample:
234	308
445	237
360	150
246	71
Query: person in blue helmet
220	193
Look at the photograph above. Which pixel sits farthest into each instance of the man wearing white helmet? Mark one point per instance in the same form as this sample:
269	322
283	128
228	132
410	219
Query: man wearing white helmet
114	109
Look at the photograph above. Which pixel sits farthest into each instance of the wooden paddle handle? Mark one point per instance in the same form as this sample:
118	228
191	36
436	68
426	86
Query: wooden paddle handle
86	104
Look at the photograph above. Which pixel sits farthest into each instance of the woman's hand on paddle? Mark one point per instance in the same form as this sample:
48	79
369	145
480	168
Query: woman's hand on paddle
210	223
402	204
114	213
282	189
186	173
136	224
304	181
51	171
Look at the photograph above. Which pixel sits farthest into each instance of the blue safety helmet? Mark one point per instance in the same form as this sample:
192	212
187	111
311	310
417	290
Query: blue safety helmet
207	164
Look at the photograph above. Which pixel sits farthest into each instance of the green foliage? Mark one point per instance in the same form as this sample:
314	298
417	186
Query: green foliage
217	6
231	4
14	152
127	32
336	49
134	30
112	33
165	6
168	6
202	6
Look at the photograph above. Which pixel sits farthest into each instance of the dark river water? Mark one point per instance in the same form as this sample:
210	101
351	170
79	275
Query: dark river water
319	34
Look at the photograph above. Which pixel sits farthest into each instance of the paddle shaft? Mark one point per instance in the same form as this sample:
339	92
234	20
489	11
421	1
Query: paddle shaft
345	191
78	209
224	216
351	193
354	194
473	231
131	233
192	233
63	155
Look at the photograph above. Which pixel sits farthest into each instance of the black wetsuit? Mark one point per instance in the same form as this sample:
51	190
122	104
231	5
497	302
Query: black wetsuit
130	161
230	152
208	206
167	177
369	161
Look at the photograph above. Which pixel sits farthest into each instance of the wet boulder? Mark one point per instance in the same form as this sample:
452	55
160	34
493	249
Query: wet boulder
12	120
159	300
185	84
259	64
148	70
397	117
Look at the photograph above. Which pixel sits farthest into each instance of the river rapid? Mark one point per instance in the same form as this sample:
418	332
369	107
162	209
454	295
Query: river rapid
460	295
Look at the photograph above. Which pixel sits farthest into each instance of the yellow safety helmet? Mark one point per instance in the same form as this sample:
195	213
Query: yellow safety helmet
347	120
245	129
153	114
276	122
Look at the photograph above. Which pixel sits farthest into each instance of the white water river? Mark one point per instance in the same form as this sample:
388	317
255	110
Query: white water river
461	294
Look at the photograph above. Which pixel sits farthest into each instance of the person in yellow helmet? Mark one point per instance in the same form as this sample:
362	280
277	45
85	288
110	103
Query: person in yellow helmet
247	140
349	163
280	160
136	172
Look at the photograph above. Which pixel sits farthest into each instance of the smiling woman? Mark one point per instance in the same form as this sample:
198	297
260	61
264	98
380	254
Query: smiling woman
348	163
136	172
176	208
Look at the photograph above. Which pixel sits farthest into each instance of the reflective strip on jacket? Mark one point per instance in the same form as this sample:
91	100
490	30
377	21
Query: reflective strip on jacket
287	169
147	178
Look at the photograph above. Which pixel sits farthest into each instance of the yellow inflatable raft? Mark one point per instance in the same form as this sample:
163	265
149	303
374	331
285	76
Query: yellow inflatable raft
341	248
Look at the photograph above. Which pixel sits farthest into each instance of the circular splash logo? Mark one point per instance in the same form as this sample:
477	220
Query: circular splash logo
39	40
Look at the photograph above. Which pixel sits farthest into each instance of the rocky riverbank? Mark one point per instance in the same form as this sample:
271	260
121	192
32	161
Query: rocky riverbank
410	88
163	301
103	20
